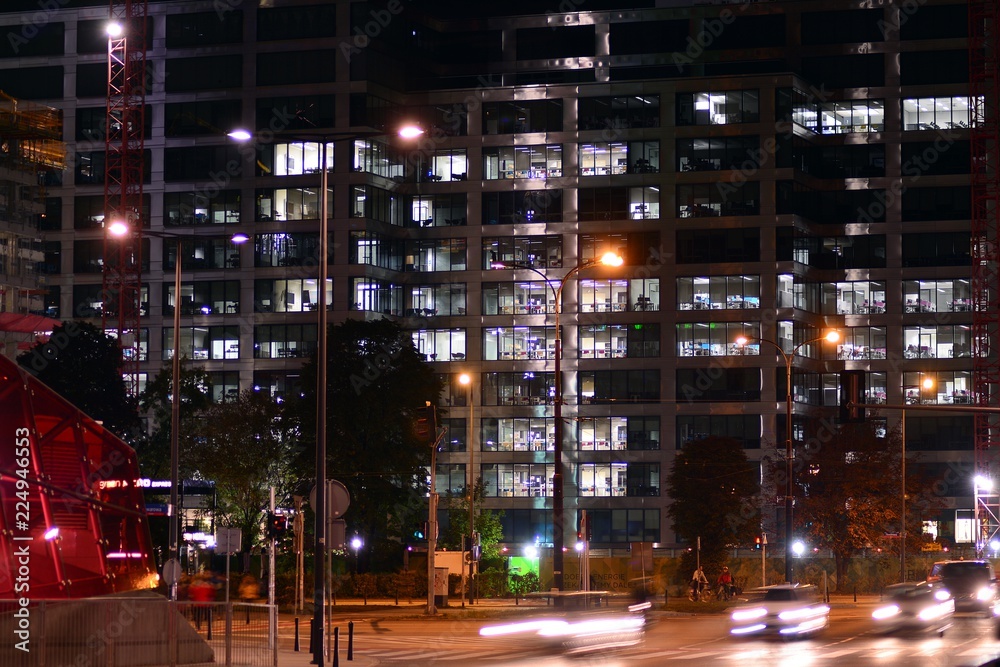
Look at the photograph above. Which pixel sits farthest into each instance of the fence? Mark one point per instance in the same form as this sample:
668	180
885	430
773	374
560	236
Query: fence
136	631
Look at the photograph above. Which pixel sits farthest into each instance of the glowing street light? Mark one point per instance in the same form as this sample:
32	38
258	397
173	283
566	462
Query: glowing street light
120	229
830	337
558	523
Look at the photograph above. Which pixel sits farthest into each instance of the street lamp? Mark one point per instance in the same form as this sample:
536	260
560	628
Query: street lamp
120	229
831	337
927	383
466	380
608	259
320	510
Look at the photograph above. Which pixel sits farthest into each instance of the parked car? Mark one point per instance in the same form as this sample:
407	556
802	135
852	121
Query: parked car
971	582
788	610
915	607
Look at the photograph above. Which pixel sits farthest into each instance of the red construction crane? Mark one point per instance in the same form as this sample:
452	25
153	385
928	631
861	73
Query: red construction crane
123	179
984	79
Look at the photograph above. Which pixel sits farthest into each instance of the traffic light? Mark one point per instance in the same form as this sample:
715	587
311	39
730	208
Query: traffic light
277	524
426	426
852	397
756	544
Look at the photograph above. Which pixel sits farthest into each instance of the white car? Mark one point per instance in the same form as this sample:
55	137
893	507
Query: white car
915	607
788	610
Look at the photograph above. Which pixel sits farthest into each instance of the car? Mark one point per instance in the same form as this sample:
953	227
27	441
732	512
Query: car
787	610
971	582
915	607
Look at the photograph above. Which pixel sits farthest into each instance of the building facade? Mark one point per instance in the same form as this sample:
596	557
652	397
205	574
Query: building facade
767	170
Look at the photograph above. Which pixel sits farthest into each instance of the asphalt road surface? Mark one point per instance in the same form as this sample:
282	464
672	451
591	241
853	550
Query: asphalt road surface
683	640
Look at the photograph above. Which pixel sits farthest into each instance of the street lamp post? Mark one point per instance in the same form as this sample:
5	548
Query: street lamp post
558	520
466	380
120	229
831	337
320	510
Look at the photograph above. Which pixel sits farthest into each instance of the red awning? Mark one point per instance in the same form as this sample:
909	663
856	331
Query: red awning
21	323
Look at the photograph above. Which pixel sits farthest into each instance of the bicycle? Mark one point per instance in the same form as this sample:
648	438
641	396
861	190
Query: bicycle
700	593
724	592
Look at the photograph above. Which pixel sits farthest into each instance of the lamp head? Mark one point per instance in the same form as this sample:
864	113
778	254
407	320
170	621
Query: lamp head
114	29
928	383
833	337
465	379
240	134
118	228
239	237
742	340
410	132
612	259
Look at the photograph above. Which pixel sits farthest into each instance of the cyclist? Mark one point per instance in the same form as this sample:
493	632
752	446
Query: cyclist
698	583
725	583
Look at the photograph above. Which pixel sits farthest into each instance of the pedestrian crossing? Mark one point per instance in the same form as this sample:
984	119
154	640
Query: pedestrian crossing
469	650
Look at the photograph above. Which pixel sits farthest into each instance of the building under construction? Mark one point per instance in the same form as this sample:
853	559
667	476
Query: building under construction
31	152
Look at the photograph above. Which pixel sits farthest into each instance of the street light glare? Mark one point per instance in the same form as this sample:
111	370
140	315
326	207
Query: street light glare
612	259
742	340
114	29
410	132
240	134
833	337
928	383
118	228
464	378
984	483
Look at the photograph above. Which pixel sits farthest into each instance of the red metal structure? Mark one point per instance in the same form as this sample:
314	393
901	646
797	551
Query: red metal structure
984	79
72	514
123	178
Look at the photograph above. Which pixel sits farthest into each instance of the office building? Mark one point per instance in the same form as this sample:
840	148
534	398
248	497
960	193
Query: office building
766	169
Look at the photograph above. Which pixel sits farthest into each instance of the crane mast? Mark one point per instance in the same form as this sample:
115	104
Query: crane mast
123	177
984	79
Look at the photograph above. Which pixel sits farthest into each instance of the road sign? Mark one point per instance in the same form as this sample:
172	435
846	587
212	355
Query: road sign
336	534
228	540
338	499
172	572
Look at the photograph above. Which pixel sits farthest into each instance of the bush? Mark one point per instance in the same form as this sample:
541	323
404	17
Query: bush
493	583
365	585
520	584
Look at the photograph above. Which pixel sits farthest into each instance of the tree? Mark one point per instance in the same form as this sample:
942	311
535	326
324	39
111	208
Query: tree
83	365
376	380
487	523
246	447
848	495
195	393
713	486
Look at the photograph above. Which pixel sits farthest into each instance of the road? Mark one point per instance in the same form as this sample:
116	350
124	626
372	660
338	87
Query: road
682	640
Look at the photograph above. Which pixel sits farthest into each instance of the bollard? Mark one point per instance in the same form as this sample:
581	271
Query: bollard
312	622
296	634
336	646
350	640
210	624
855	593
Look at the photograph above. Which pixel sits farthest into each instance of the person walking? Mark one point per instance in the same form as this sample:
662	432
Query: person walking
202	593
698	583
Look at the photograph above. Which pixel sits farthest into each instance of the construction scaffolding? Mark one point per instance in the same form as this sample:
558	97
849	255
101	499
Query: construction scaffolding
30	146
